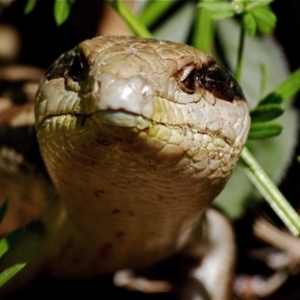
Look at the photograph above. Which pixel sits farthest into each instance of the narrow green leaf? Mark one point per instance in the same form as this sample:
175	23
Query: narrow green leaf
264	130
30	5
154	10
265	19
249	23
257	3
62	9
9	273
239	62
285	90
133	22
221	15
3	247
267	112
203	33
217	6
272	98
264	80
270	192
219	10
3	209
14	236
8	241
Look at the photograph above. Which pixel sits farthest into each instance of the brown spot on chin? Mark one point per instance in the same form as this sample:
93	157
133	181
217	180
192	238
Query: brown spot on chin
160	198
105	250
116	211
131	213
119	234
97	193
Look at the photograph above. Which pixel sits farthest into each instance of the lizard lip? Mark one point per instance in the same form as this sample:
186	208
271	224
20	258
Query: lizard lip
121	119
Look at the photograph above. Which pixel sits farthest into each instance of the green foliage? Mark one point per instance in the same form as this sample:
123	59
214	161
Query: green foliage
62	10
265	19
8	241
30	6
256	14
260	130
203	32
153	9
10	272
133	22
5	245
285	90
266	112
219	9
269	108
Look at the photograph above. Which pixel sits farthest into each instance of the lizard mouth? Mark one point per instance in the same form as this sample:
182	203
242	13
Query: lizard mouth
121	119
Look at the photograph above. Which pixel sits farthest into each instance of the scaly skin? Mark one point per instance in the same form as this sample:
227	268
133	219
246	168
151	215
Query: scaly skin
139	137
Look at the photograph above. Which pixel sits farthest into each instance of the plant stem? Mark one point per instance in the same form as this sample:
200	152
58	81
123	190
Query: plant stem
239	63
154	10
11	272
271	193
203	32
133	22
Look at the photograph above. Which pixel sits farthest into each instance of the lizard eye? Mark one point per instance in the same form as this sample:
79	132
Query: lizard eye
213	78
72	64
188	81
78	68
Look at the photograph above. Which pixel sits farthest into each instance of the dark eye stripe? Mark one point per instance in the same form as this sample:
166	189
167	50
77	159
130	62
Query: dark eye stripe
71	64
216	79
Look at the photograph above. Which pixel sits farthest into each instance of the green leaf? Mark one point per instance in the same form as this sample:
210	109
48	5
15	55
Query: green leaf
154	10
264	80
31	4
182	19
203	33
132	21
257	3
14	236
264	130
267	112
219	10
8	241
3	247
272	98
3	209
285	90
270	192
249	23
9	273
62	9
265	19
